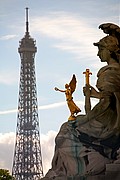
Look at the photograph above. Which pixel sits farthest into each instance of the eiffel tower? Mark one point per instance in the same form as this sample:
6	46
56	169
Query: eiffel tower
27	161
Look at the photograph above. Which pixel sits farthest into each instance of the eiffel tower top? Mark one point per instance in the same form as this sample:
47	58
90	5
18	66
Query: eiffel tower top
27	43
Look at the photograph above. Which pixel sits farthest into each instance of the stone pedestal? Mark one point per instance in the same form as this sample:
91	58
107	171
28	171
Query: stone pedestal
112	173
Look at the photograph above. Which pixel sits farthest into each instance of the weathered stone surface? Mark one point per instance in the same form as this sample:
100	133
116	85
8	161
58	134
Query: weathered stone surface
69	157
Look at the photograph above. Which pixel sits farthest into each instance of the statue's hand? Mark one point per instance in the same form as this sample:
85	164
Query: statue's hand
86	91
94	93
56	89
89	91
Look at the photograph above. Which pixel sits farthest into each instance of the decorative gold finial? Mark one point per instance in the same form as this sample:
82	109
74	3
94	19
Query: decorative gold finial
87	73
87	87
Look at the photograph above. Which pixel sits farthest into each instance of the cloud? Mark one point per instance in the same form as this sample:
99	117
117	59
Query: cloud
7	141
54	105
49	106
44	107
47	151
6	149
74	33
8	111
8	37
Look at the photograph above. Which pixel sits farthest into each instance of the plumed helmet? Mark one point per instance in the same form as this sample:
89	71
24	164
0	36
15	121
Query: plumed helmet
109	42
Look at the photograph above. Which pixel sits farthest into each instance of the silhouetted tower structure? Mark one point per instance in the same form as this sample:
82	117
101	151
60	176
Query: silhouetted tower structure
27	162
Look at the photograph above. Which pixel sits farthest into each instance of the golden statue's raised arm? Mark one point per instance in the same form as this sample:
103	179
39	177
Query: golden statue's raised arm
59	89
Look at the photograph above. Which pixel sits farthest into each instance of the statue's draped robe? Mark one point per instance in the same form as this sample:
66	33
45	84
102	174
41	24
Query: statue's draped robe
72	106
104	119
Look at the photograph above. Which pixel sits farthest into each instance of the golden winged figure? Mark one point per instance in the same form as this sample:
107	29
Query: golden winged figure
69	89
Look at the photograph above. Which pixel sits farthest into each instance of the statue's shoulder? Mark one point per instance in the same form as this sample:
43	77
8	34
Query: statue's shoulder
106	69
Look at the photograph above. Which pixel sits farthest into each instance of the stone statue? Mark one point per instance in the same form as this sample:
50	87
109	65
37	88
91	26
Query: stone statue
104	118
84	147
69	89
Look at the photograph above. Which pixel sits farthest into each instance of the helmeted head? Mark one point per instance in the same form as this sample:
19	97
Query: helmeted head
110	43
66	86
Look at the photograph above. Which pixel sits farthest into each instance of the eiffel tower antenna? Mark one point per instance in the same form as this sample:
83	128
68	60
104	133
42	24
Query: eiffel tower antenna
27	23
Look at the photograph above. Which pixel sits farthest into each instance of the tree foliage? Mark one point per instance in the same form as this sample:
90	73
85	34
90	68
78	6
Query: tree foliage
5	175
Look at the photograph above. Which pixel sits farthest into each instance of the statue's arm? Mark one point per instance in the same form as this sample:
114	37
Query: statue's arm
59	89
94	93
91	92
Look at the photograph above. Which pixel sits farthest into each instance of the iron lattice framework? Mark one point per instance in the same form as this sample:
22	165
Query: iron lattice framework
27	162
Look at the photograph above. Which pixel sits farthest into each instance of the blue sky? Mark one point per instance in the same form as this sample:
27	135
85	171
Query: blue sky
64	31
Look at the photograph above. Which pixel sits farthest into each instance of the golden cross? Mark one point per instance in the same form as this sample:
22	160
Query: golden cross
87	73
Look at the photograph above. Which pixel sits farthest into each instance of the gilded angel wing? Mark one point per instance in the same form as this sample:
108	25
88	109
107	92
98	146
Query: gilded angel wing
72	83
